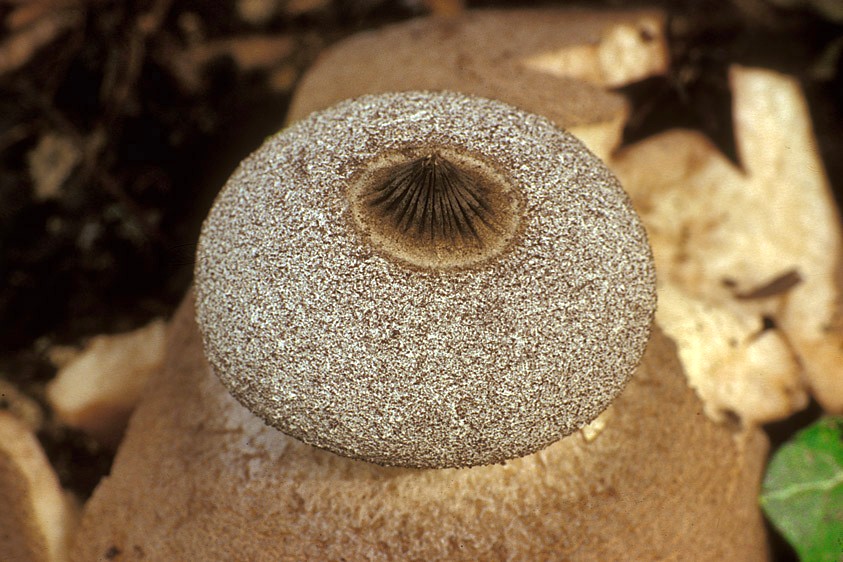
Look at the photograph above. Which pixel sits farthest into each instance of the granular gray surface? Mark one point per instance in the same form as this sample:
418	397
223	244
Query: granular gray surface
338	345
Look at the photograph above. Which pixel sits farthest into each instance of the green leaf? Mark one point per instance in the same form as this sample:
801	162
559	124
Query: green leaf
802	493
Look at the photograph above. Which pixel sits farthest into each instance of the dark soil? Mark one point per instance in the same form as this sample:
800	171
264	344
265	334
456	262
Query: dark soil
111	247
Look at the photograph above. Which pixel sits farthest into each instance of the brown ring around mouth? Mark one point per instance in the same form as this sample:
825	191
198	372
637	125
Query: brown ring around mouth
435	207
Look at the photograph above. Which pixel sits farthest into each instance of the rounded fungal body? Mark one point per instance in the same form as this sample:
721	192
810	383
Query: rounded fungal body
424	279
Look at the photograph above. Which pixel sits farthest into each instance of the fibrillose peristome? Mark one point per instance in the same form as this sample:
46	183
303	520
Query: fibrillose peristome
435	207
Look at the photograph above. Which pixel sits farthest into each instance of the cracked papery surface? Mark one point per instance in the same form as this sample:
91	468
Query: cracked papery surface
336	343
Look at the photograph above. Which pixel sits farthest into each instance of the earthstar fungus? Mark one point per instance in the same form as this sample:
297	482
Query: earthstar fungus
424	279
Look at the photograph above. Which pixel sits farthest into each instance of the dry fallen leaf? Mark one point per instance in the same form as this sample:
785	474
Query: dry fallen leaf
32	31
51	163
97	389
21	405
37	516
748	256
249	52
625	53
258	12
733	363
